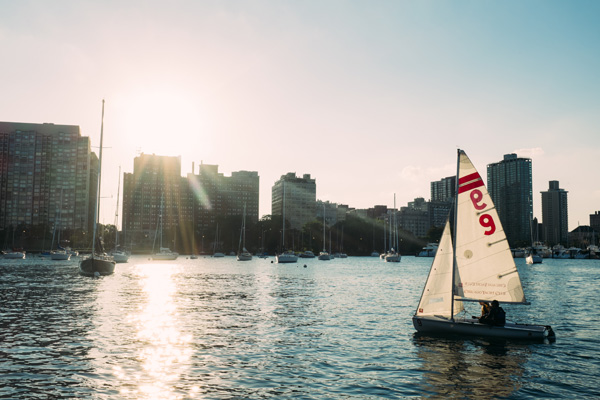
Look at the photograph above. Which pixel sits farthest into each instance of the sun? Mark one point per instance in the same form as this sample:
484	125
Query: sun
159	120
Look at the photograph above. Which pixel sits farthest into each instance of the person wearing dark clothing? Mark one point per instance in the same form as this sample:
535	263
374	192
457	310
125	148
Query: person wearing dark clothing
495	316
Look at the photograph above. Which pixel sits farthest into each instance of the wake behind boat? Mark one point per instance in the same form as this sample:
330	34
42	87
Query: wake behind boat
472	264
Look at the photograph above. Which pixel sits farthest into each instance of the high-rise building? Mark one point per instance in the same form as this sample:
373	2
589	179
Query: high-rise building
555	215
216	196
444	189
155	189
510	186
44	176
595	221
299	195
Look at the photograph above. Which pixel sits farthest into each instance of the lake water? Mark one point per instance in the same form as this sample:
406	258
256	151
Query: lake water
222	329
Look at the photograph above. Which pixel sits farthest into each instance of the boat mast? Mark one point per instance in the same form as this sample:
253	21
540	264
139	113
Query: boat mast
97	208
454	235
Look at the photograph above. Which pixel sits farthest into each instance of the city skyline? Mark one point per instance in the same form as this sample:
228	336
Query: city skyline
370	101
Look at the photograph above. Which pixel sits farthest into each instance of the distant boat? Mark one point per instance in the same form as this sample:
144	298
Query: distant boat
429	250
60	254
164	253
216	253
14	255
98	263
473	263
374	254
243	254
118	255
287	256
307	254
393	255
324	255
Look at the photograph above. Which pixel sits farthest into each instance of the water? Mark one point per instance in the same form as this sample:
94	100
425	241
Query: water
221	329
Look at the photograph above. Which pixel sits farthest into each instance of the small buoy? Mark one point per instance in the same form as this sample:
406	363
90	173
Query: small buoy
96	274
304	265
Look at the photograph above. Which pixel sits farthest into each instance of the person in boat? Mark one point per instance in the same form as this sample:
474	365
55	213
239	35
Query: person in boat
495	316
485	308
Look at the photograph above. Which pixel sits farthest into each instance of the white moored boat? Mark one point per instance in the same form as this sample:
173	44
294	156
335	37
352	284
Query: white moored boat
475	264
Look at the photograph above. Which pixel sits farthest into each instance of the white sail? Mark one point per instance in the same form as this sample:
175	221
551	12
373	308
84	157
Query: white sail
485	269
437	295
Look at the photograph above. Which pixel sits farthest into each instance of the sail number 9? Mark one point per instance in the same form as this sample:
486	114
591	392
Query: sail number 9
485	220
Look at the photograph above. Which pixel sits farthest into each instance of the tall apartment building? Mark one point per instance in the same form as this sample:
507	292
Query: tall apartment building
555	215
444	189
510	186
154	189
595	221
299	195
415	217
216	196
40	164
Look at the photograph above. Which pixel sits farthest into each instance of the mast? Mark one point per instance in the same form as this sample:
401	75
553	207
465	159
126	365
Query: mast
454	235
97	208
283	215
117	213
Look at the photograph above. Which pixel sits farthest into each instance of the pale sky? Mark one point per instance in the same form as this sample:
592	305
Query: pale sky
371	98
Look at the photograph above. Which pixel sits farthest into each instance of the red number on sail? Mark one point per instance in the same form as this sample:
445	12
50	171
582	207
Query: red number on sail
487	222
476	198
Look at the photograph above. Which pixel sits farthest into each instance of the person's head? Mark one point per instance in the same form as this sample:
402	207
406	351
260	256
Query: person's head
495	303
483	303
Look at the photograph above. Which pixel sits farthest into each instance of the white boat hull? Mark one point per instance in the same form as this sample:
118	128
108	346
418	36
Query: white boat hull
244	257
392	258
165	256
471	327
120	257
15	255
286	258
60	256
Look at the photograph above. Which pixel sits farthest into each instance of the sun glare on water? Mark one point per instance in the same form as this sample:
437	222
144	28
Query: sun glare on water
164	351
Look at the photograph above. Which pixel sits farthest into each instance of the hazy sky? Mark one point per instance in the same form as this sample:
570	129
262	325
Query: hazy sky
371	98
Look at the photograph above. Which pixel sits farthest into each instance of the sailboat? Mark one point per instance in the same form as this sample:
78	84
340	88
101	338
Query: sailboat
324	255
243	255
60	254
473	263
215	252
287	256
393	255
164	253
98	263
119	255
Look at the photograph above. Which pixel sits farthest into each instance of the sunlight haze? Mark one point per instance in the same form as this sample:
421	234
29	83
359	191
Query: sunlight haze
370	98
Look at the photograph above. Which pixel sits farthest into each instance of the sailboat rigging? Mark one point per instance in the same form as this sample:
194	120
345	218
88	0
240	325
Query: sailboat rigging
473	263
287	256
243	254
98	263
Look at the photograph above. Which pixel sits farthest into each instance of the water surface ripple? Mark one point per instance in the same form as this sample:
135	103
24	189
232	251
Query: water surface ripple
222	329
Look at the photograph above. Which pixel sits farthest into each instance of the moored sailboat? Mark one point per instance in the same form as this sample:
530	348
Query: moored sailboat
98	262
473	263
243	254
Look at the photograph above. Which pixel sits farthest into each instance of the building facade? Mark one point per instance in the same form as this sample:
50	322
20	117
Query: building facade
215	196
45	177
555	215
444	190
298	196
510	186
155	190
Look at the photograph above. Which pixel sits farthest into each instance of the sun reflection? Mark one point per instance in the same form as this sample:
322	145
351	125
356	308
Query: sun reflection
165	352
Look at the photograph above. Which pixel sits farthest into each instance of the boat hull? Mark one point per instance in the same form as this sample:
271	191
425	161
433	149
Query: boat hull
97	265
120	257
164	257
15	255
286	258
244	257
471	327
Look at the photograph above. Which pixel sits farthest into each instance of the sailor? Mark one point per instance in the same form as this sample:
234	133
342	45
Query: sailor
496	315
485	307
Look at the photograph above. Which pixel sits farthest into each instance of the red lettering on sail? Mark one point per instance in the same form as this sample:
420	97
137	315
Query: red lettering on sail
476	198
487	222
